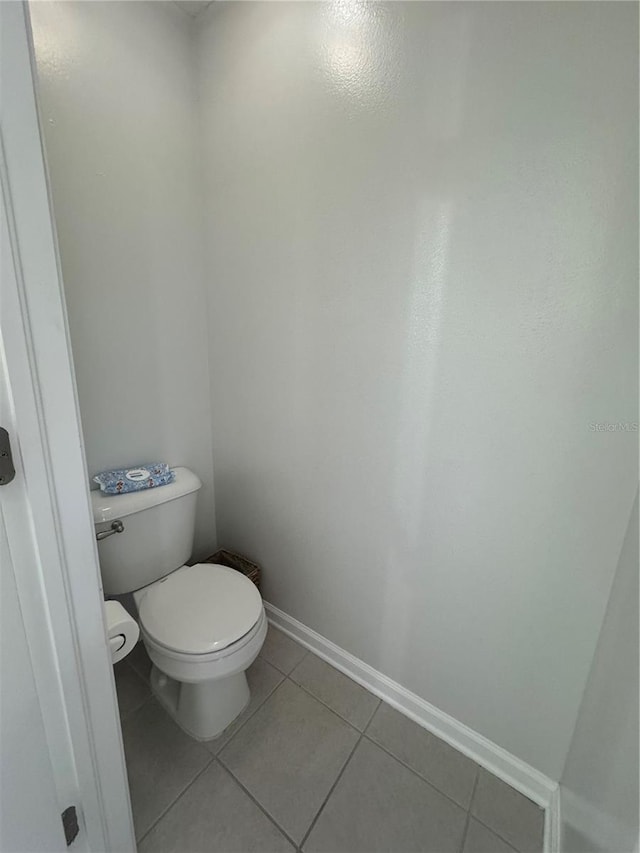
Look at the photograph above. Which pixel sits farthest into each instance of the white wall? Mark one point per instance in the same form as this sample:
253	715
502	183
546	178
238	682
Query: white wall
599	789
117	96
422	262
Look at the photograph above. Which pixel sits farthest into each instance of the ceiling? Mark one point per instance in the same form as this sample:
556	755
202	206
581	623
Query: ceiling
193	7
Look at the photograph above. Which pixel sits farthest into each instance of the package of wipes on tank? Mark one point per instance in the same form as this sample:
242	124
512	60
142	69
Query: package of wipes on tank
124	480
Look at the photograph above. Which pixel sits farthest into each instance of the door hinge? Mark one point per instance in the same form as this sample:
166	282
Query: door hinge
70	824
7	471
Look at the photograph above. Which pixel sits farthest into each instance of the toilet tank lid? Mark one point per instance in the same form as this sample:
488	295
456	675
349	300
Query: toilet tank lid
110	507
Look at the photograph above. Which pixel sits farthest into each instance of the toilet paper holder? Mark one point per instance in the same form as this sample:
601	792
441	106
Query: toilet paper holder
123	631
116	527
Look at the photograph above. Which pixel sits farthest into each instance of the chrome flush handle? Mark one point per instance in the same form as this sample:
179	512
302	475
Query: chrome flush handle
116	527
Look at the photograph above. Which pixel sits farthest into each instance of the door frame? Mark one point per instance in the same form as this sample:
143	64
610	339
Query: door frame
60	592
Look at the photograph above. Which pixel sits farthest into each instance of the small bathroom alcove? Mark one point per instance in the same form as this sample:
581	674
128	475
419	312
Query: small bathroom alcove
361	274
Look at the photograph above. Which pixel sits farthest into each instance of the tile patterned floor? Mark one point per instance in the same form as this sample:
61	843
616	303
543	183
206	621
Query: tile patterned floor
317	764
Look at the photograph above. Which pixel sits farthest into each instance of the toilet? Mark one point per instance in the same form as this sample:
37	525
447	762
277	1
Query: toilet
202	625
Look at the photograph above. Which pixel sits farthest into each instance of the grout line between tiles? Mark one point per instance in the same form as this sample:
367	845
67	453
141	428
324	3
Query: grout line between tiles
251	715
331	790
468	819
178	797
295	666
486	825
363	733
371	740
125	716
144	683
256	801
143	679
212	757
422	778
375	711
328	707
135	669
496	833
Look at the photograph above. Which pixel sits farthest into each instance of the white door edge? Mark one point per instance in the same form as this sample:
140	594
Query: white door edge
60	592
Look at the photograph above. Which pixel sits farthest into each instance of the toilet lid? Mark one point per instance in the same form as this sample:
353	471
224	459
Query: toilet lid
199	609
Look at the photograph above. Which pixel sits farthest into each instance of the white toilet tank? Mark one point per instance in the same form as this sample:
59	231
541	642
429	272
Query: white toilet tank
158	532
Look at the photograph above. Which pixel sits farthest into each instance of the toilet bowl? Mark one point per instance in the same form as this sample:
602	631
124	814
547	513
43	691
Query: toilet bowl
203	625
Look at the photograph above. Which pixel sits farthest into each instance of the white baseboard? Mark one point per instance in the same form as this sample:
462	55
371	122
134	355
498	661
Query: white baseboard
520	775
553	824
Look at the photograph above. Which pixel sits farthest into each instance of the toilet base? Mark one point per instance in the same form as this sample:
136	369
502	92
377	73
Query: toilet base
203	709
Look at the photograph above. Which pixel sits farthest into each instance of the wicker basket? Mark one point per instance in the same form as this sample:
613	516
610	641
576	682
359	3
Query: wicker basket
236	561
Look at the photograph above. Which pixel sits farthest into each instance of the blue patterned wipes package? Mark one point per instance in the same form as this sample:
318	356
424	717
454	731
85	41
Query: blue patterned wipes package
134	479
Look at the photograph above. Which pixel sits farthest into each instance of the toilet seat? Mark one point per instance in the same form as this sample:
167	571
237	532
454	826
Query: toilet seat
218	657
200	610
